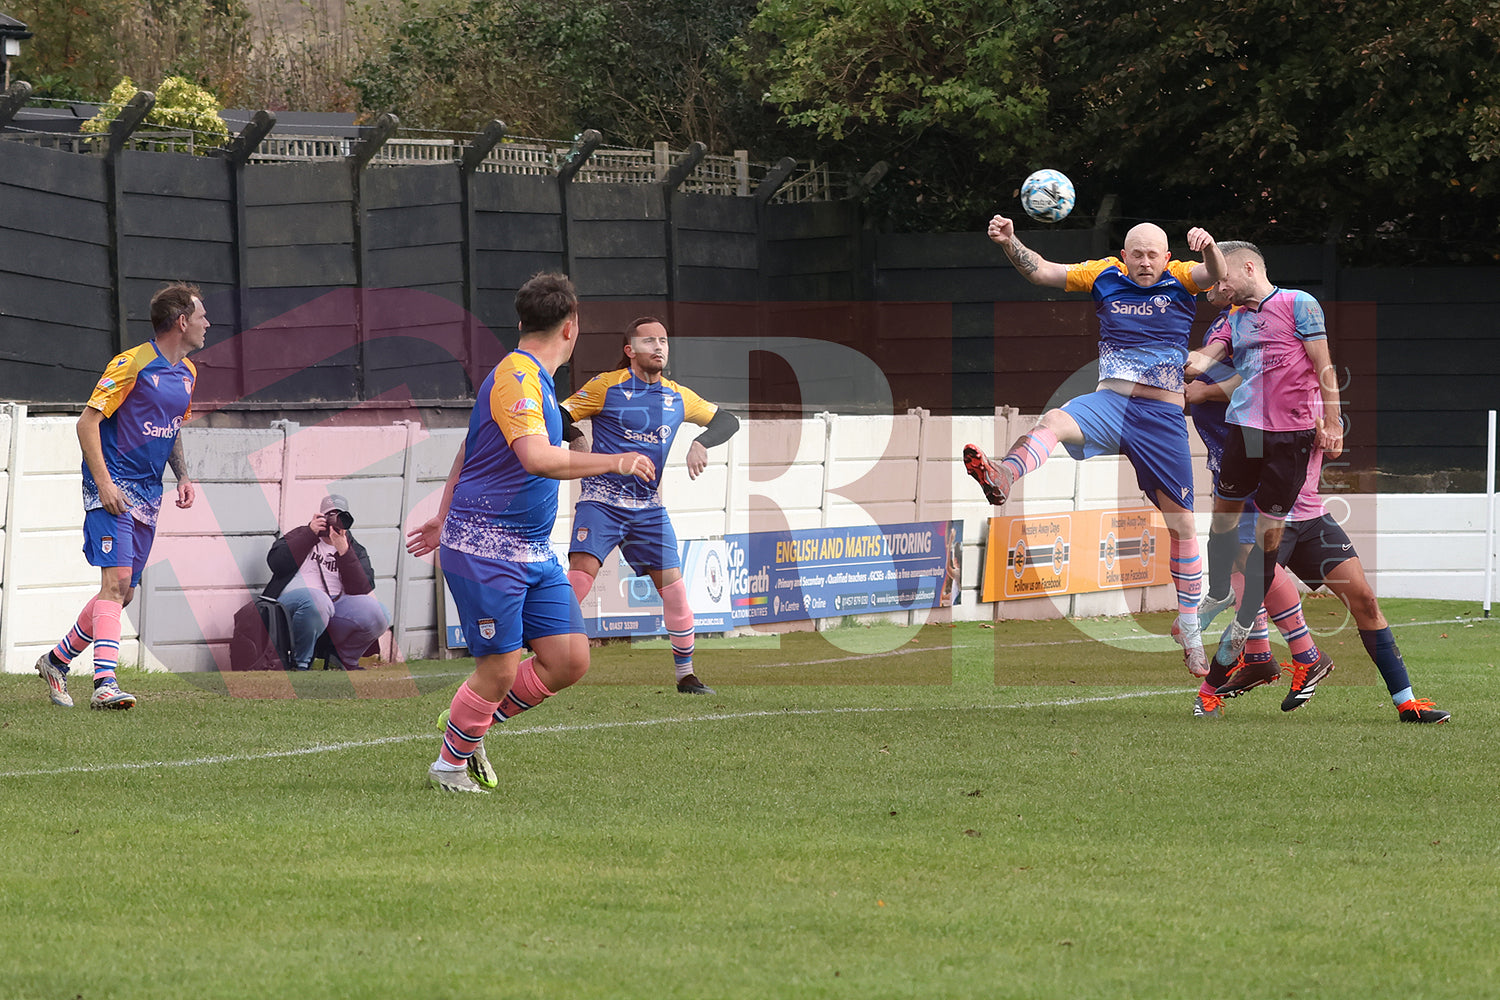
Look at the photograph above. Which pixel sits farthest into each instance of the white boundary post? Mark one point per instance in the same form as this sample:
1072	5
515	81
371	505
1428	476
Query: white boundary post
1489	527
12	486
408	483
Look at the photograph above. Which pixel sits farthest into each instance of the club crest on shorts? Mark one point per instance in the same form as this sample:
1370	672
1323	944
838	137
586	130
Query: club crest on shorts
583	534
487	628
107	544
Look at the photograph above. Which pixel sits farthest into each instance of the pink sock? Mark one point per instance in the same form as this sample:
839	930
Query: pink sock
1258	646
677	614
1028	453
468	720
526	692
582	583
1187	574
78	637
1284	605
106	640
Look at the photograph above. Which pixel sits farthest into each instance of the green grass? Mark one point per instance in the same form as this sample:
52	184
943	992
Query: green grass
1024	811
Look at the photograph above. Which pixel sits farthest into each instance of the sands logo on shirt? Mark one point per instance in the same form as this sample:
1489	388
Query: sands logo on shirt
524	405
106	384
487	628
149	429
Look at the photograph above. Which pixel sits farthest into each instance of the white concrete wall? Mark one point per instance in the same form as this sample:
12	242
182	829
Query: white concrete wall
823	471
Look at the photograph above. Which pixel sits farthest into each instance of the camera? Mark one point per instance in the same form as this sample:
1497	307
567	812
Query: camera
342	518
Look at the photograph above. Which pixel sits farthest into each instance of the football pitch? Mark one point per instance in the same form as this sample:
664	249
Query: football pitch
1026	810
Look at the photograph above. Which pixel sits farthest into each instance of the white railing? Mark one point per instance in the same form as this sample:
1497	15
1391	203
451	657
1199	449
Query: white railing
733	175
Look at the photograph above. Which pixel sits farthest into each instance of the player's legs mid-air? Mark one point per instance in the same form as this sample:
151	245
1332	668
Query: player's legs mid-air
1152	434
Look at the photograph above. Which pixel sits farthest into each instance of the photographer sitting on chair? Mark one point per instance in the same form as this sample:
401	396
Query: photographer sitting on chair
324	579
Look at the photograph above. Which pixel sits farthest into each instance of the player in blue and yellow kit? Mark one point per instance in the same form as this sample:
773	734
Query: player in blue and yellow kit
493	530
635	408
128	433
1146	304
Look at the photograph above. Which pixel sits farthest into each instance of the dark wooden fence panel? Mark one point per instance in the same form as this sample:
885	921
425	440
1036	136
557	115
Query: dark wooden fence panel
302	323
351	287
57	314
413	242
175	222
516	231
1437	362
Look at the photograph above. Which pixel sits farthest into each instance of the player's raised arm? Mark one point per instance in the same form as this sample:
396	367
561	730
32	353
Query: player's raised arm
1213	267
1031	265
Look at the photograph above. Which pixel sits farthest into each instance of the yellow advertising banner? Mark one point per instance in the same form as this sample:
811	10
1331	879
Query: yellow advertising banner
1079	552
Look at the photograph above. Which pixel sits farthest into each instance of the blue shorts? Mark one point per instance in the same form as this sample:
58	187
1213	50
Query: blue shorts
503	605
1247	523
1151	433
645	536
117	540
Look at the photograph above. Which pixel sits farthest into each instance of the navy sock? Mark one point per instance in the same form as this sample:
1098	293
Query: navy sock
1381	646
1260	566
1221	552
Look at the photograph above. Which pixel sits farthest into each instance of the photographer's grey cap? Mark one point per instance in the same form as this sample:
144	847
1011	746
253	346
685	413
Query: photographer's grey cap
335	501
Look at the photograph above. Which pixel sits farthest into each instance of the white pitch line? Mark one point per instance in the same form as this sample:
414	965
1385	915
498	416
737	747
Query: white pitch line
581	728
907	651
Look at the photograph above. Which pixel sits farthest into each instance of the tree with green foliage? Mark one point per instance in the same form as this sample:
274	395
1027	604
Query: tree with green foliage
638	70
181	105
952	92
1375	121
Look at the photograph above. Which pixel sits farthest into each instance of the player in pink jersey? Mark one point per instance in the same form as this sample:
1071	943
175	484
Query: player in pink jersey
1287	404
129	433
1208	399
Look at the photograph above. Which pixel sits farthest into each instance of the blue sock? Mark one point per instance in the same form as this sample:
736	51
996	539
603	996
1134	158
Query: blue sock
1381	646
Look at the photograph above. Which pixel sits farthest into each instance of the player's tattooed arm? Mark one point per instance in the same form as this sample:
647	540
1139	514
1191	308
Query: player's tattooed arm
1025	259
186	492
178	460
1028	263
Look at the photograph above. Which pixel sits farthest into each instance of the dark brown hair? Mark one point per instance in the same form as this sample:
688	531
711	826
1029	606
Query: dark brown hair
545	301
172	302
635	325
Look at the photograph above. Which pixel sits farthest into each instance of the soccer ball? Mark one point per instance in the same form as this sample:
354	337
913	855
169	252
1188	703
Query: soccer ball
1047	196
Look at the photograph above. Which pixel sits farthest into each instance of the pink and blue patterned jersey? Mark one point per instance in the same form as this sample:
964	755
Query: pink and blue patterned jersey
1309	505
1143	330
630	414
499	510
144	400
1279	391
